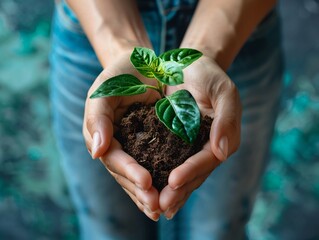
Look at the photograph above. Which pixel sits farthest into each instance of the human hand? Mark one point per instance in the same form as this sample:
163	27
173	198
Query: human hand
100	119
216	96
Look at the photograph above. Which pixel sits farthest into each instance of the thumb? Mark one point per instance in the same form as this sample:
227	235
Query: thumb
97	126
225	129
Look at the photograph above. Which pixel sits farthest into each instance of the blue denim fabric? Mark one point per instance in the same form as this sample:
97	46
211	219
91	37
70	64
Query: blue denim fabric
221	207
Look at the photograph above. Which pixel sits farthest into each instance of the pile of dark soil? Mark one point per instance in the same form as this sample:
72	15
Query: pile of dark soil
155	147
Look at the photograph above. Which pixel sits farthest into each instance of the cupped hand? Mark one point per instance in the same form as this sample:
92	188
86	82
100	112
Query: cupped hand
216	96
101	117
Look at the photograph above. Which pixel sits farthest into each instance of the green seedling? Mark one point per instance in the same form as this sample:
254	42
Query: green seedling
178	111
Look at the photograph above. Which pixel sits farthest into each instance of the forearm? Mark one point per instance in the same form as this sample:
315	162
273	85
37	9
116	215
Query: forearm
220	28
111	26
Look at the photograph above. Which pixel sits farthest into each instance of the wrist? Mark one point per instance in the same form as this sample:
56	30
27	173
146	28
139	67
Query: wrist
214	53
112	27
109	45
215	40
220	28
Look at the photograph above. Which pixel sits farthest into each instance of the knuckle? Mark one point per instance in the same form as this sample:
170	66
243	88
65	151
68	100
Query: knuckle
108	166
116	177
90	120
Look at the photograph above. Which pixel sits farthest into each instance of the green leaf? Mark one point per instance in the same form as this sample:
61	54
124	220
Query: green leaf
183	56
142	59
180	113
169	73
121	85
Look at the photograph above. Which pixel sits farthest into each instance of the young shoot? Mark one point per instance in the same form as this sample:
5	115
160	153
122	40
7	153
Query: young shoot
178	111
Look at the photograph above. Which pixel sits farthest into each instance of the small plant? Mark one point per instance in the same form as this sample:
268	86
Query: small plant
178	111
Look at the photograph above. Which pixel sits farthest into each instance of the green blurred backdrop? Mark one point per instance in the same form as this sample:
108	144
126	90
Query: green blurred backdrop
34	202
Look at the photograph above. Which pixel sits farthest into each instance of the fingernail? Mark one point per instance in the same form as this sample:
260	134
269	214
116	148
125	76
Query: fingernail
96	143
170	213
156	219
152	215
223	147
170	216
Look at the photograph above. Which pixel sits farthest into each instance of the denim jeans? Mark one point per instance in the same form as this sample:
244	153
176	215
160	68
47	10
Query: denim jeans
221	207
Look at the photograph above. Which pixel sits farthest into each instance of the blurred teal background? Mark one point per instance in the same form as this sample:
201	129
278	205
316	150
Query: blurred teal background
34	202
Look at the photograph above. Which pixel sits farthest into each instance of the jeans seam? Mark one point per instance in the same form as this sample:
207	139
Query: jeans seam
163	23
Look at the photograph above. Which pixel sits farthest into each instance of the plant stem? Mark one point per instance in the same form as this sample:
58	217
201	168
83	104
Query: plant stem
161	88
158	89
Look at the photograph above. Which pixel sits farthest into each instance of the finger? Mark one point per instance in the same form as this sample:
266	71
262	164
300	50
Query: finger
149	199
152	215
97	132
172	201
170	198
119	162
171	211
98	119
202	163
225	129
